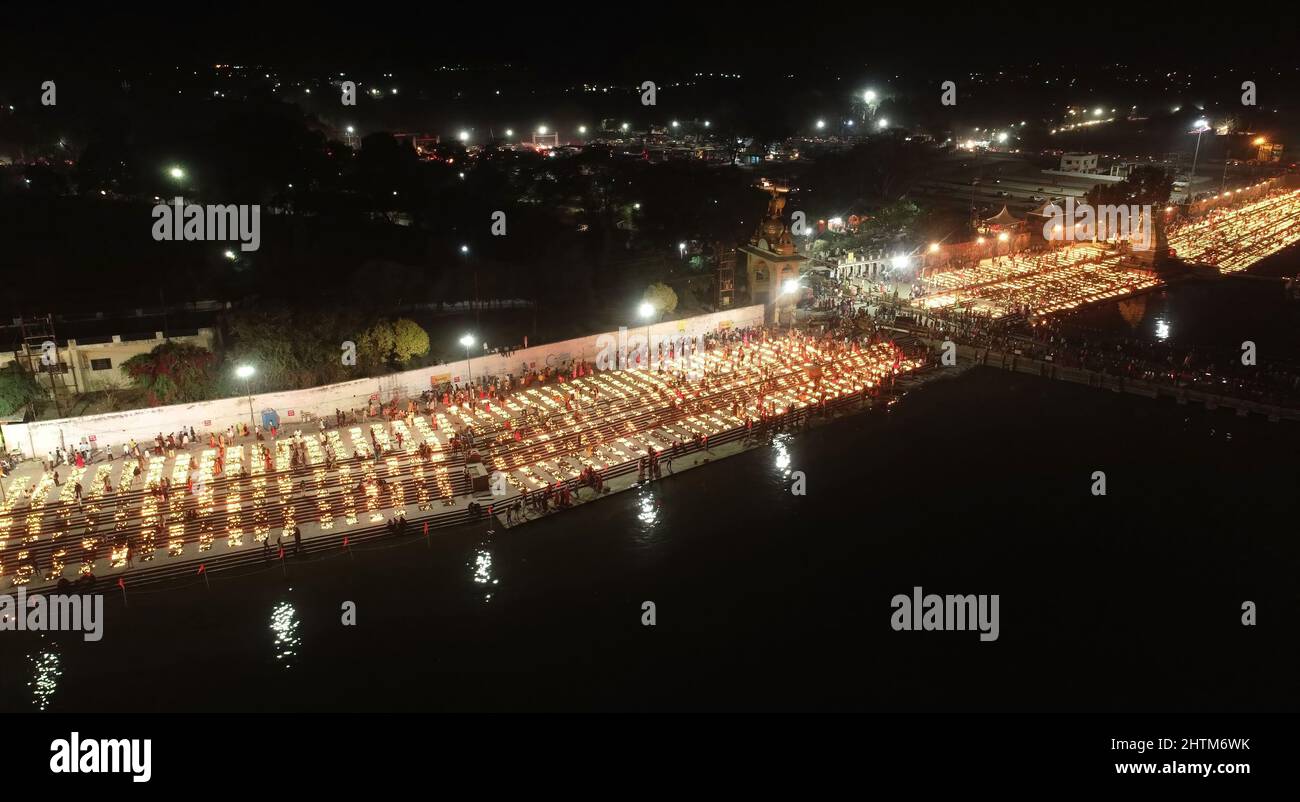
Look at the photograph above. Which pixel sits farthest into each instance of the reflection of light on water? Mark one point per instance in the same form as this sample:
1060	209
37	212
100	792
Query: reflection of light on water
284	623
780	444
45	673
647	509
483	570
1162	329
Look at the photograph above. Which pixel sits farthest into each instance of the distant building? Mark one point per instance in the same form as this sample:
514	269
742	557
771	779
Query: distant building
1079	162
770	258
1269	153
92	364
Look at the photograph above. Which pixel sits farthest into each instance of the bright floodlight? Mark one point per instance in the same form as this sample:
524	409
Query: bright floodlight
464	249
821	124
1002	136
1096	112
176	172
244	371
706	123
230	255
1002	237
463	136
884	123
868	95
541	129
790	286
1202	125
934	247
582	129
467	340
625	126
350	129
646	309
900	261
674	123
509	132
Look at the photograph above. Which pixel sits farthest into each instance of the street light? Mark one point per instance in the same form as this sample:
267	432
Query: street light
1202	125
246	372
464	251
467	341
646	310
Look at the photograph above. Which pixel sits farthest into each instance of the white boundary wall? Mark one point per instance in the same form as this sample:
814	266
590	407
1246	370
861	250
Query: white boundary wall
115	428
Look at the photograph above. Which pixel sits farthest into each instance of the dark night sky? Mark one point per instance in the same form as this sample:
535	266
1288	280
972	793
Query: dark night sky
620	40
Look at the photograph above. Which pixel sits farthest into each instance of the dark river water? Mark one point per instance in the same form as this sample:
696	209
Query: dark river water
976	483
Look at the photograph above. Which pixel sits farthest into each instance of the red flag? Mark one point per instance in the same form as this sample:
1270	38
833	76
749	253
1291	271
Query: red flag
120	583
282	552
201	568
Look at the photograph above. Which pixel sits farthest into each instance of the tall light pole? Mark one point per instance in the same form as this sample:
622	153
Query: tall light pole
464	251
647	310
246	372
1202	125
467	341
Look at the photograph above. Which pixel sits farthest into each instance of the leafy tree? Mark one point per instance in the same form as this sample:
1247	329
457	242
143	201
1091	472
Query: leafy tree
18	389
172	373
290	349
409	340
389	343
662	297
